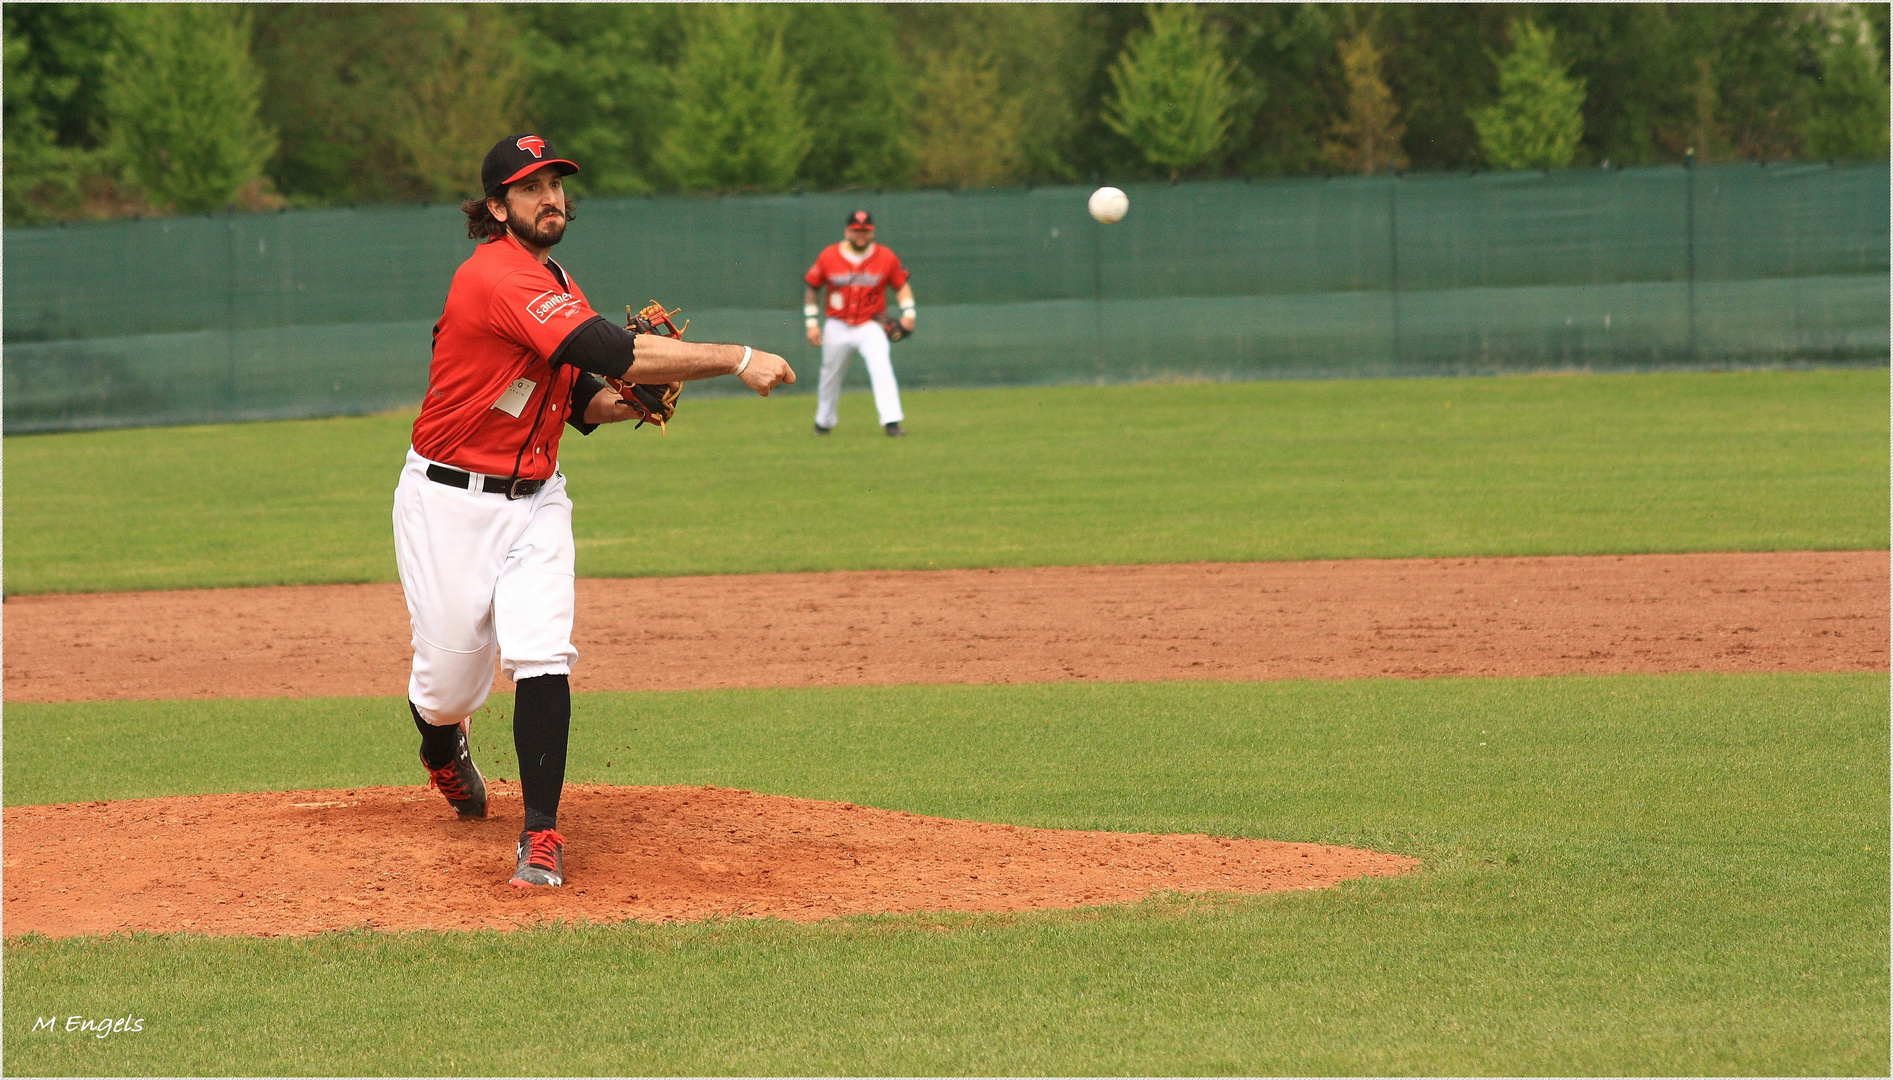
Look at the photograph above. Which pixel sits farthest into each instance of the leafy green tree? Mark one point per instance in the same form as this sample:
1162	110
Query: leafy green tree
597	88
468	96
968	128
856	93
385	102
1436	65
1172	91
1539	117
1365	139
183	97
40	174
1848	118
737	121
1046	58
57	56
1287	51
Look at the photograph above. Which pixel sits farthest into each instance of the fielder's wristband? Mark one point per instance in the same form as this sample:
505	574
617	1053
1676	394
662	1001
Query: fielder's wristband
907	309
811	322
809	311
740	367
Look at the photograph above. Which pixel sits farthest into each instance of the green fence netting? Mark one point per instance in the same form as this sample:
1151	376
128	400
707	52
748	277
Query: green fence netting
310	313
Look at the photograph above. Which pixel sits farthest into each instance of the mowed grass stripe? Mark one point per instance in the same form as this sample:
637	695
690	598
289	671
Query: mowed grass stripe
1631	874
1752	461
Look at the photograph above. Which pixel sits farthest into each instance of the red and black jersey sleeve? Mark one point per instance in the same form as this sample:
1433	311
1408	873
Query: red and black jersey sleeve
534	311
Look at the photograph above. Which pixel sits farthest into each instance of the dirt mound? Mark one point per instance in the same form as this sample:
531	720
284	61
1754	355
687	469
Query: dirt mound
395	858
1598	615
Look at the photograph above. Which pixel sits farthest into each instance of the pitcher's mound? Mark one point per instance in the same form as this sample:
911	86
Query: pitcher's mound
395	858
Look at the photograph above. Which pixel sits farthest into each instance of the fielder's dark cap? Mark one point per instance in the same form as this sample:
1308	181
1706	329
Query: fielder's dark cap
516	156
861	219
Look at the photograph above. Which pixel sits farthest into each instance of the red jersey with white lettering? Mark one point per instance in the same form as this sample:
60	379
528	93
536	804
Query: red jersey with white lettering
491	391
856	290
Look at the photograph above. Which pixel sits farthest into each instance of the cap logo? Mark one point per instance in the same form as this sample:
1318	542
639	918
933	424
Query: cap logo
533	145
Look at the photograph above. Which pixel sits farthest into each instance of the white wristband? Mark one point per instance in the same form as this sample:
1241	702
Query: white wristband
811	322
809	311
907	309
739	368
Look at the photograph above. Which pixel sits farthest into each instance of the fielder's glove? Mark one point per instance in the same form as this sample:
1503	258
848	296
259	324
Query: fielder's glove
656	403
895	331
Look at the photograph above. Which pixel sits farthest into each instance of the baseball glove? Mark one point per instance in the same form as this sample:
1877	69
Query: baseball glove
895	331
656	403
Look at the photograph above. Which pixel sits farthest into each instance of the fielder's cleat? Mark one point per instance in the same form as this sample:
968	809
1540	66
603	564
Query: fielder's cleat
459	780
541	859
895	431
820	430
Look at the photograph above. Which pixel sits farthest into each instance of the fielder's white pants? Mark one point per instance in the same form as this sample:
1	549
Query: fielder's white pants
839	344
484	575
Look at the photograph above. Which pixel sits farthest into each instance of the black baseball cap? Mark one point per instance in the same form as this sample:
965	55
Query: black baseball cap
860	219
516	156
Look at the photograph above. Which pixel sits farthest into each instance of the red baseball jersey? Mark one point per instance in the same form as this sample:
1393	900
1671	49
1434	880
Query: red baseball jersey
856	290
491	391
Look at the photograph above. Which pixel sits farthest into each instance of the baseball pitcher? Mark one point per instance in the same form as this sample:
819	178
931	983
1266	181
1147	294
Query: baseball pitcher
482	524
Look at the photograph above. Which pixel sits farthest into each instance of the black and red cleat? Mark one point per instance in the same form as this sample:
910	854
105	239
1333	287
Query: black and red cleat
541	859
459	780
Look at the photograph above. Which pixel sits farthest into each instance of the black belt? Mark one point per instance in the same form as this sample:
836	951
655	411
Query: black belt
493	485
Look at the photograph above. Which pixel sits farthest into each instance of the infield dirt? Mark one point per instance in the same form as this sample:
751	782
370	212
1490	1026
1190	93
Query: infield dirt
303	862
1413	618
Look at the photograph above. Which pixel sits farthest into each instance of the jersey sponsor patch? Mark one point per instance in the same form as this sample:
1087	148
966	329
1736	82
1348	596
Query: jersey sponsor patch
856	278
550	303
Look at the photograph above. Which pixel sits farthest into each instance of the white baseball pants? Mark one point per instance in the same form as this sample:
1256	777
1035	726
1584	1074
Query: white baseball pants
839	343
483	575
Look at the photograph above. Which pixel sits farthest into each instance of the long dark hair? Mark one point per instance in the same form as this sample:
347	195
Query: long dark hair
482	225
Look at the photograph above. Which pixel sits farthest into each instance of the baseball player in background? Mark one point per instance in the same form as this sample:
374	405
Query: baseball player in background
482	524
856	274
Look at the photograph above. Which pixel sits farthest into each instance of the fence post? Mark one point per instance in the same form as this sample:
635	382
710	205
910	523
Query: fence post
1689	243
230	314
1097	283
1393	253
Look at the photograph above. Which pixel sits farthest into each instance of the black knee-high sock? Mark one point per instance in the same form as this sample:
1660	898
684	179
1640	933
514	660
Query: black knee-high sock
439	743
542	722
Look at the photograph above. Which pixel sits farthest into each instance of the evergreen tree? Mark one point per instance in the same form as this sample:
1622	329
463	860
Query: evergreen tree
1287	49
967	128
855	81
1539	117
370	100
737	122
183	97
57	56
42	177
1045	58
1171	89
597	88
1849	114
58	165
466	97
1366	139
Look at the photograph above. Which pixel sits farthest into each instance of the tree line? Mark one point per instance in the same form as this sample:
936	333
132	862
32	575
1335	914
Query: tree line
132	109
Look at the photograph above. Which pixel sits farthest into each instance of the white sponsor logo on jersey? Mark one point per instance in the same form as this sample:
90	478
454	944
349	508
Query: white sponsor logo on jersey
839	280
550	303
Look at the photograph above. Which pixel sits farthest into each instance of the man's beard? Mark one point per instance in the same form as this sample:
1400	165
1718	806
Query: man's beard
549	231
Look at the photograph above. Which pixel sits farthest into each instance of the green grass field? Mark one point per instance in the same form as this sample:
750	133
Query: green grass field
1752	461
1682	874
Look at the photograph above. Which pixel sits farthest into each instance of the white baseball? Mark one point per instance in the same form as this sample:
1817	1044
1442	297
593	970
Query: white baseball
1108	204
